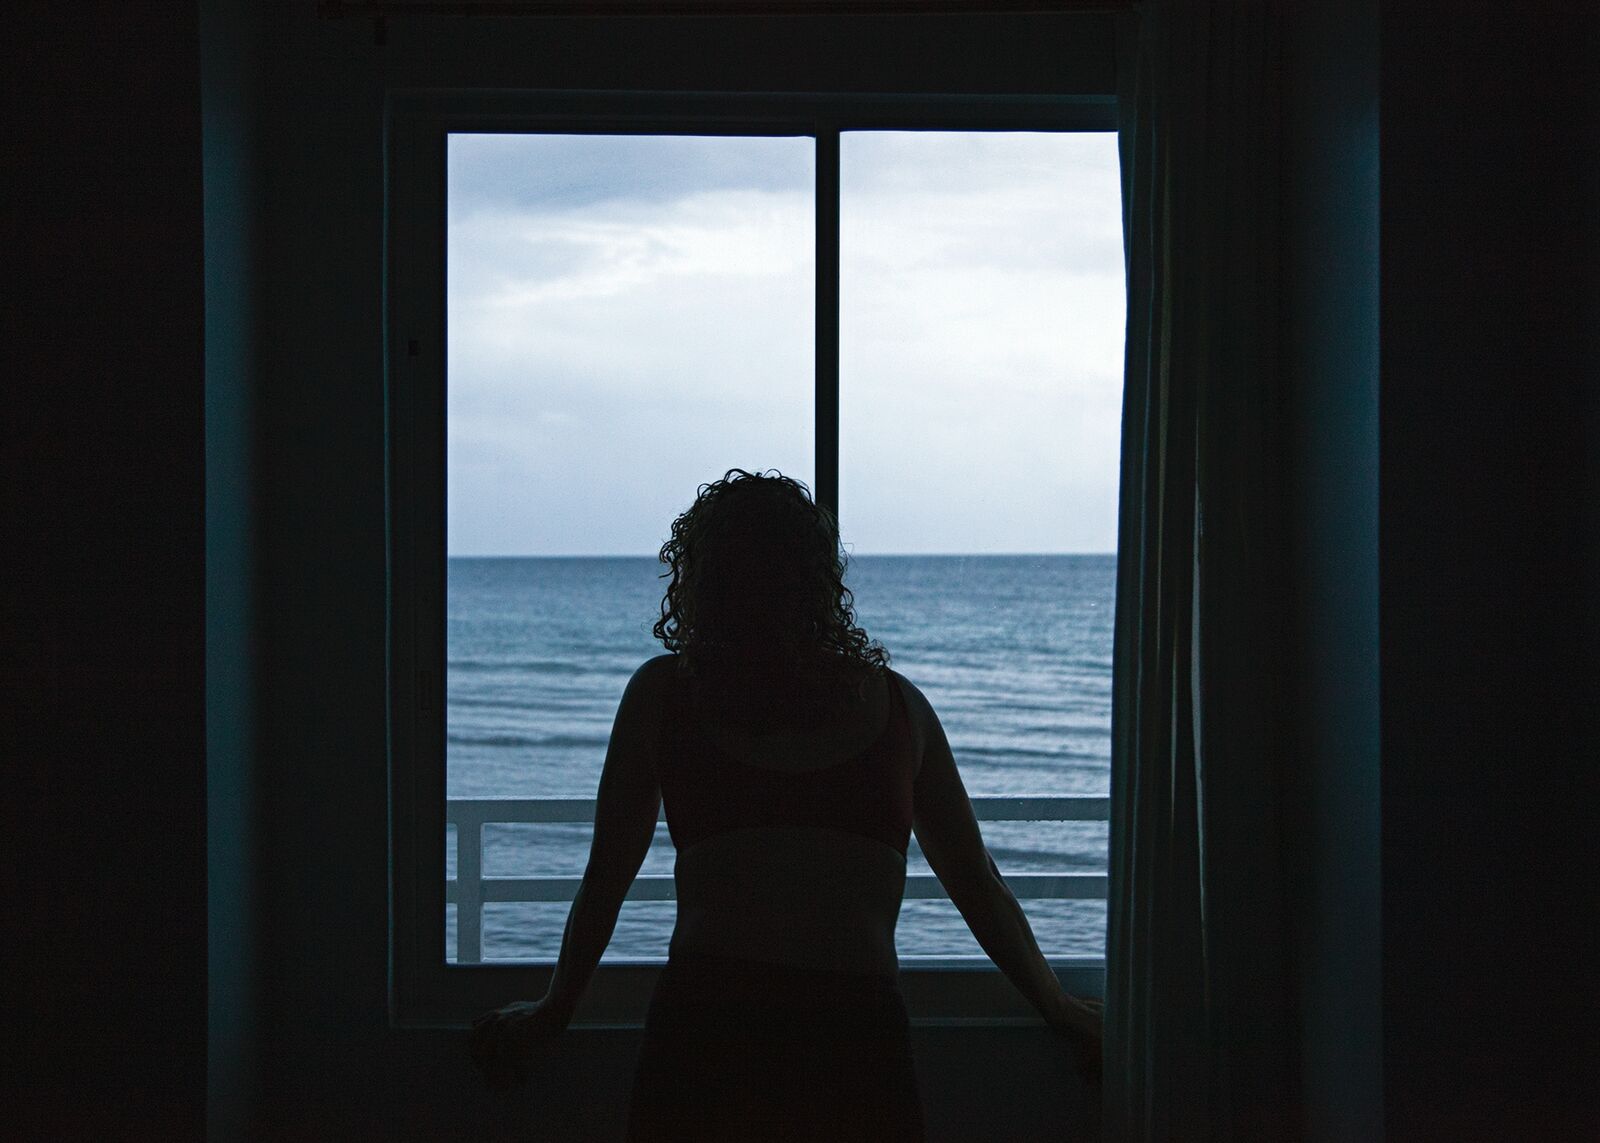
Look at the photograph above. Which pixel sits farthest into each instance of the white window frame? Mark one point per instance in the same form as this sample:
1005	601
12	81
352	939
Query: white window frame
425	989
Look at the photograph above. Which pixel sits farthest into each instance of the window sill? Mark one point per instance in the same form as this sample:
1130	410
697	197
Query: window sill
939	992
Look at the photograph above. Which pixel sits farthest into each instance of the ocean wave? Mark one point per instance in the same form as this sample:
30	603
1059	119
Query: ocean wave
521	701
1001	753
572	741
1080	858
576	665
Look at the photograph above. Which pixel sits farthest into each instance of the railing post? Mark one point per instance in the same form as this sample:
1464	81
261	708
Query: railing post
469	888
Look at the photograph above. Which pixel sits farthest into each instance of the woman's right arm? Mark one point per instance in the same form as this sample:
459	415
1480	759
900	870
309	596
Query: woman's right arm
626	807
947	830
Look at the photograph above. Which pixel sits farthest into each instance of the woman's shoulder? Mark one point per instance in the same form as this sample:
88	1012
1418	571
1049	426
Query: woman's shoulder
919	711
916	701
654	681
657	666
657	671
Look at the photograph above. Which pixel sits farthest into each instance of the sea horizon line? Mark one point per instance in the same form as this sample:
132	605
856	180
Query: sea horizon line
852	555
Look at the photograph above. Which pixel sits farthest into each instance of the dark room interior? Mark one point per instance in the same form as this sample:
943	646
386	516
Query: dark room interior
198	841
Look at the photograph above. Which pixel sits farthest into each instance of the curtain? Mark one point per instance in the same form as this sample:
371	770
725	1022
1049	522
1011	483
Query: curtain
1198	990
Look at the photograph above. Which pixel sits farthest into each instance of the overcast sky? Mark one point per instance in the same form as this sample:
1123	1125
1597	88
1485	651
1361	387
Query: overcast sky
630	316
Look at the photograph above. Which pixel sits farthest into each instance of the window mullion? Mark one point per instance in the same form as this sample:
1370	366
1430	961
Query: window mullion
827	317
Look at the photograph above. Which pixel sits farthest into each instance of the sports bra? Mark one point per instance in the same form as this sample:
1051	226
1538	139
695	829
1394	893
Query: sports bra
706	791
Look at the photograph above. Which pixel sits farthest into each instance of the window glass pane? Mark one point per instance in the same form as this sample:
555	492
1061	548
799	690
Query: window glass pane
1062	928
532	931
981	325
628	317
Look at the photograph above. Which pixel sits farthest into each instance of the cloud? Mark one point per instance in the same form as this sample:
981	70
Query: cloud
981	342
629	317
568	174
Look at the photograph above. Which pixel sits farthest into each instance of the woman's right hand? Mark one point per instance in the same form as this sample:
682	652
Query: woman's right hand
506	1041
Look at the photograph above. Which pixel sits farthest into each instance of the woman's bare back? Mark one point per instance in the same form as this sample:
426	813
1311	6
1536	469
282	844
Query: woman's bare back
844	735
806	896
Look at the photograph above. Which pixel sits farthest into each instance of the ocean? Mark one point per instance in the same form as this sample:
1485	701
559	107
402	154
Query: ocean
1014	653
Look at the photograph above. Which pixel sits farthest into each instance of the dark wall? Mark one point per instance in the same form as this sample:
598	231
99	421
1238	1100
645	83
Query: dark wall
101	656
1487	574
1330	306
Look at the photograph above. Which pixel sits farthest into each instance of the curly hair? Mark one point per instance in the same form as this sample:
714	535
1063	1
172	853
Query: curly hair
757	587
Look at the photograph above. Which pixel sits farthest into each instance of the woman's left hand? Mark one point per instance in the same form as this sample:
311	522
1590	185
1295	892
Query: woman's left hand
1082	1022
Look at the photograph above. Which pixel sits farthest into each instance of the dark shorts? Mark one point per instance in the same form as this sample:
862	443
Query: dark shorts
739	1050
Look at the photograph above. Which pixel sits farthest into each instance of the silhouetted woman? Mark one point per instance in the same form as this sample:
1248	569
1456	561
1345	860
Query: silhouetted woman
794	765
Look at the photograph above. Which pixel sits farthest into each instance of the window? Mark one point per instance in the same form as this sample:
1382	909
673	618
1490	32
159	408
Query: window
625	313
981	299
784	260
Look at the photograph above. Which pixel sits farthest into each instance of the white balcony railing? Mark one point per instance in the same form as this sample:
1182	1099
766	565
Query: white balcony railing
470	889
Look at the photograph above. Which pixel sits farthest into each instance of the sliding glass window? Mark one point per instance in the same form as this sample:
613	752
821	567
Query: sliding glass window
980	387
631	314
